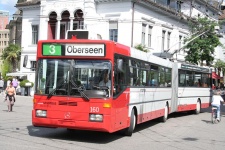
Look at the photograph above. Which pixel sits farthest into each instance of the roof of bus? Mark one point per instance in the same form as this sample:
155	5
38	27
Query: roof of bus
75	40
149	57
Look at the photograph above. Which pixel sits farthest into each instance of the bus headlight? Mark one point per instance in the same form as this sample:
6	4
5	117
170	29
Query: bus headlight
96	117
41	113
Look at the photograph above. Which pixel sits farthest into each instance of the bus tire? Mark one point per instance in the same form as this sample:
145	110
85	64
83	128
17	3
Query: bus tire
198	107
166	113
128	131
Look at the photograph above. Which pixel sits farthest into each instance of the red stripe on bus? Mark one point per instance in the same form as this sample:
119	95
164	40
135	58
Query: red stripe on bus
150	116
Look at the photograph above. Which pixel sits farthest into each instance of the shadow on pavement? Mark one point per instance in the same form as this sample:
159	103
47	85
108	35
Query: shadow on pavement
208	110
190	139
207	121
101	137
73	135
146	125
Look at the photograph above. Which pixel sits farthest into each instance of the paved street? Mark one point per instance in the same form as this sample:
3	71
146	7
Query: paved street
181	132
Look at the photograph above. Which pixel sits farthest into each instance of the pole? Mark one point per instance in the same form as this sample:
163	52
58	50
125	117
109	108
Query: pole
132	24
189	42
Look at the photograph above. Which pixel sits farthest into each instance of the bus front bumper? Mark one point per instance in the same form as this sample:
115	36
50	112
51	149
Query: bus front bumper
72	123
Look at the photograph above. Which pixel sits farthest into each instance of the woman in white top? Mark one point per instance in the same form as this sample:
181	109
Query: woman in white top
216	100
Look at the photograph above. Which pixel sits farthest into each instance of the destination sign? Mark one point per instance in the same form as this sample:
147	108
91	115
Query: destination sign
52	50
85	50
55	49
196	68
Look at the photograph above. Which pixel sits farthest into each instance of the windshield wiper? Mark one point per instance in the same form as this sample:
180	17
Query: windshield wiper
101	87
73	64
79	90
59	85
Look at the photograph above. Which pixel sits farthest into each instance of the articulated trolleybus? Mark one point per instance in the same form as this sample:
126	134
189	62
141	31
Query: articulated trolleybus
101	85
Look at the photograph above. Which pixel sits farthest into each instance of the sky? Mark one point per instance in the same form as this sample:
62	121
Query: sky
8	5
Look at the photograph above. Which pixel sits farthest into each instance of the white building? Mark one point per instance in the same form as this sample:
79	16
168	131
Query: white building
161	25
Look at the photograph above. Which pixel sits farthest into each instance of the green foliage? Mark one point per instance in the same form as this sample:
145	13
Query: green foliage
6	67
220	65
23	83
142	48
12	54
9	78
202	48
43	79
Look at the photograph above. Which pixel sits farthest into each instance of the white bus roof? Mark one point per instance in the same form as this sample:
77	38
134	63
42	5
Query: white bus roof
149	57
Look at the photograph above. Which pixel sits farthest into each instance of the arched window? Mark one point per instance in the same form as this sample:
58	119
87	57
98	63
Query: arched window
52	25
64	24
78	22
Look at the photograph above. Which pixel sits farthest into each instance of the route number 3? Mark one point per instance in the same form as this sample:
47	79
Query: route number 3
94	109
52	49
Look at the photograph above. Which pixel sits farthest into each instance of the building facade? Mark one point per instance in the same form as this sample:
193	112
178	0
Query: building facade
160	25
4	42
4	33
15	28
4	19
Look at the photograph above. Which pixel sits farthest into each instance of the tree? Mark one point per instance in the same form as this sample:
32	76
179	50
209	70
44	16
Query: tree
220	65
142	48
202	48
12	55
6	67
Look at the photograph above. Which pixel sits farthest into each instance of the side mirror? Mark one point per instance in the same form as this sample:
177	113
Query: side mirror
25	61
120	65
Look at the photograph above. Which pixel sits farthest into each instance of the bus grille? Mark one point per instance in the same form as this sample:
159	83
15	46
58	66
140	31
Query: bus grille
68	103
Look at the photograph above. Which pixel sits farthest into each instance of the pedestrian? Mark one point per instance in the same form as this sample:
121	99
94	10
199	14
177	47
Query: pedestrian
15	83
1	85
221	86
8	82
10	96
216	100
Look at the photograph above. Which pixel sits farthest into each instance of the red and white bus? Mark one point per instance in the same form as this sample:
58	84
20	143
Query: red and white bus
141	86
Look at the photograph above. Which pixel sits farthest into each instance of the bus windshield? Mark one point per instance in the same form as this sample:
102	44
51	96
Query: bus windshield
70	77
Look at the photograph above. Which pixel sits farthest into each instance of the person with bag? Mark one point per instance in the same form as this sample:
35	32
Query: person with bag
10	96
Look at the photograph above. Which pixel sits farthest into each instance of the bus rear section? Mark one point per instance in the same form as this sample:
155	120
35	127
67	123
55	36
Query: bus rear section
194	88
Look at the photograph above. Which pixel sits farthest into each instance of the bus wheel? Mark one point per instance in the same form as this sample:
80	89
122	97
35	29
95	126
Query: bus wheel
166	112
198	107
128	131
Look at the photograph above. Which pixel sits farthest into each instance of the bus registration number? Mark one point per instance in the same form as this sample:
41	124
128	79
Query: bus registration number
94	109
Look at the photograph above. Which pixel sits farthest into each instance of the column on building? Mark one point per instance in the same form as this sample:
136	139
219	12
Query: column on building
58	28
71	21
44	29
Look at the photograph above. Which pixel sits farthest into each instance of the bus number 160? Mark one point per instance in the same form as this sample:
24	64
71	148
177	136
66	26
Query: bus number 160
94	109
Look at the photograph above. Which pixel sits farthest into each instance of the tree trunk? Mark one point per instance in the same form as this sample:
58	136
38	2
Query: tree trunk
14	64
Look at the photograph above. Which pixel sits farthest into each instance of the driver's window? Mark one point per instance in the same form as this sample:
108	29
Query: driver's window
120	78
